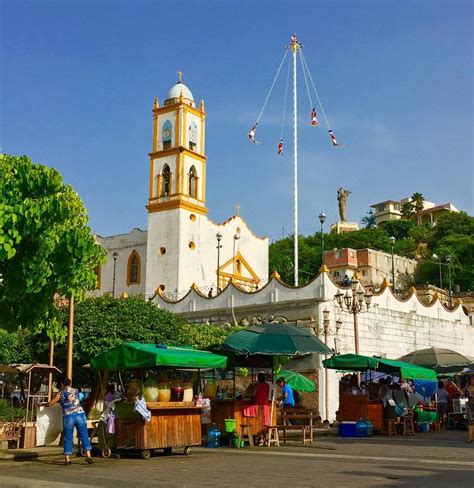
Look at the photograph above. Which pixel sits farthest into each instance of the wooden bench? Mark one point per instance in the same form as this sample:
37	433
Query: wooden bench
306	428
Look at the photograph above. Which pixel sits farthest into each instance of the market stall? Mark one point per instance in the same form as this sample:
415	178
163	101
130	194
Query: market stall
27	393
255	348
355	402
170	424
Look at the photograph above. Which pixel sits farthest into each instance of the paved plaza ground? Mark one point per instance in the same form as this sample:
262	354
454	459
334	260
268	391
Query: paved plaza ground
427	460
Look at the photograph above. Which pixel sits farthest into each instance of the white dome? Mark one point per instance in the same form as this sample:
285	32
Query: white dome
176	90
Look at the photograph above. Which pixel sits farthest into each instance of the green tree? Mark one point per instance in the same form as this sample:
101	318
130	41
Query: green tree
408	210
368	221
46	246
17	347
104	322
418	201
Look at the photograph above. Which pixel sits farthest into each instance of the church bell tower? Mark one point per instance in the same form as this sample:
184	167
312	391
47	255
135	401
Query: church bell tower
177	191
177	160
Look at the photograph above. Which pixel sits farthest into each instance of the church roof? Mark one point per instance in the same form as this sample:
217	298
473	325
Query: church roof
177	89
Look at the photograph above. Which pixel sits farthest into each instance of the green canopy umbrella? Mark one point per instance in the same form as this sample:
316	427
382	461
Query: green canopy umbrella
357	362
275	339
133	355
441	360
297	381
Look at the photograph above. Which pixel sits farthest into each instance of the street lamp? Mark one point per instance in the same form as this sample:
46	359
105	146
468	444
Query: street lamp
450	296
322	218
353	302
327	332
236	238
435	256
219	246
392	242
115	256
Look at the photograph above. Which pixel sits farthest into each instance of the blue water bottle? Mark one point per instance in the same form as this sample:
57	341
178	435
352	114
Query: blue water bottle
213	437
361	428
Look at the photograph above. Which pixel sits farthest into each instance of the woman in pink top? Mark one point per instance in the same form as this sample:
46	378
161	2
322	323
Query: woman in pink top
262	391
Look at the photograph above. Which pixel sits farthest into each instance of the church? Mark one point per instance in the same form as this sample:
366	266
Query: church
182	247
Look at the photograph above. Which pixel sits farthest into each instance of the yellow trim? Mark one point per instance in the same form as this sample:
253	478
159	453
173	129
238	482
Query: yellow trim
129	268
178	203
152	162
185	129
154	138
238	277
203	128
177	150
193	110
203	184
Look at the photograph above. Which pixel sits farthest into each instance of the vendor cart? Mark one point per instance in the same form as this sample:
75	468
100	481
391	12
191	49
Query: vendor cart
172	424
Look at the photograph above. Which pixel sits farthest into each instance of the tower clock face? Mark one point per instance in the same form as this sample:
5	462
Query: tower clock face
166	131
193	133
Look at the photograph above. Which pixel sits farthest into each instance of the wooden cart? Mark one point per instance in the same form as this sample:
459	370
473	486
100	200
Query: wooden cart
172	425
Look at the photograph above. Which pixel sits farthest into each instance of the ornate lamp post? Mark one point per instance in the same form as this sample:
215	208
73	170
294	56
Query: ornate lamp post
322	218
435	256
392	242
115	256
327	332
353	302
219	246
450	296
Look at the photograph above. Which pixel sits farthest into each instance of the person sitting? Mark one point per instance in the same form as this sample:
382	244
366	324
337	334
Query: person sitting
287	398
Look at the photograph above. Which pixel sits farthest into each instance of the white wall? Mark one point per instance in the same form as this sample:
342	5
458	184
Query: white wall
390	328
123	245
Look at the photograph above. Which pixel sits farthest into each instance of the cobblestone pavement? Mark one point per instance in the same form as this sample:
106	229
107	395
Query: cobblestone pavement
427	460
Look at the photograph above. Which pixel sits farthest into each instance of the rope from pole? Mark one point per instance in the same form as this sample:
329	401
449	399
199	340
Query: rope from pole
285	101
315	91
271	88
306	81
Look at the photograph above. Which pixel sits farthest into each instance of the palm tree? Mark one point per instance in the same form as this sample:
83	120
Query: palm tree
418	201
408	210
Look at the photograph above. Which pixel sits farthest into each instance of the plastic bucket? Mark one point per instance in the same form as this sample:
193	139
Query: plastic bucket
236	442
230	425
424	427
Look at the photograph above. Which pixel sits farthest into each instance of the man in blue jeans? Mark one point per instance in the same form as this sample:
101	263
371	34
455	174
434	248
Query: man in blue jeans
73	416
286	397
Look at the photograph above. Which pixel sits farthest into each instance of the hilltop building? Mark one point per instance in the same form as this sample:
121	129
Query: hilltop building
392	210
374	267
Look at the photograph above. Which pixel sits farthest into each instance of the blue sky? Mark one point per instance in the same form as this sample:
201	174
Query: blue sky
78	81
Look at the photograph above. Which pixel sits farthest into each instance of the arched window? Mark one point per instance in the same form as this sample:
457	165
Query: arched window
165	181
133	269
192	182
166	135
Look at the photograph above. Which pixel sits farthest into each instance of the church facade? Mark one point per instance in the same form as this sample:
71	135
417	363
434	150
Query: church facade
182	246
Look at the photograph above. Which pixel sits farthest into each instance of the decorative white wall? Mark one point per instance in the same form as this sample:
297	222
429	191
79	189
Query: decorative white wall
390	328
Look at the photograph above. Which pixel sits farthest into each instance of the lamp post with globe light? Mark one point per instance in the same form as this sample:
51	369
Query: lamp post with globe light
322	218
354	301
219	247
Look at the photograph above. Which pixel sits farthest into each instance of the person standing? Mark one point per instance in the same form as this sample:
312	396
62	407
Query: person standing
73	416
287	397
441	397
469	393
262	390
